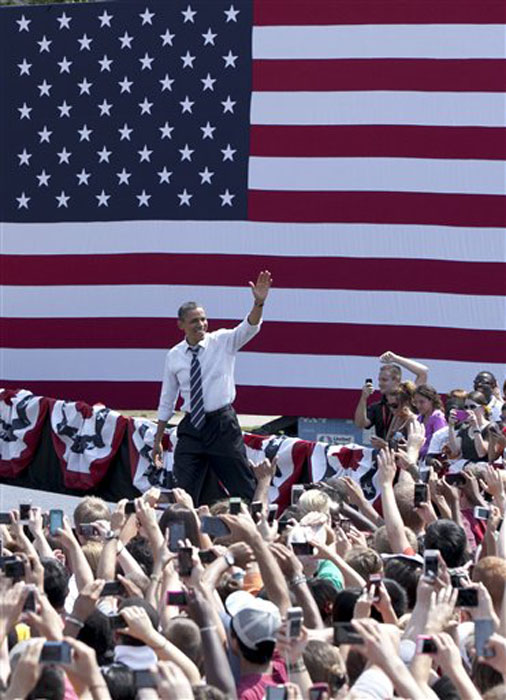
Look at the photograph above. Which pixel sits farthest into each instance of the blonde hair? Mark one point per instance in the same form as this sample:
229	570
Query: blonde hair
92	551
90	509
314	500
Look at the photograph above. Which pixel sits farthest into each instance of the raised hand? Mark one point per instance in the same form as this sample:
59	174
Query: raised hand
261	287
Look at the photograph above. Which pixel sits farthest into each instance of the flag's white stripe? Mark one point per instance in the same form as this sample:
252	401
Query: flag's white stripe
257	369
304	305
464	244
380	41
379	107
378	175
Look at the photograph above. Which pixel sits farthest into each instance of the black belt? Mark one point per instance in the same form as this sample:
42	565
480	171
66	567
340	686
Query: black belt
220	410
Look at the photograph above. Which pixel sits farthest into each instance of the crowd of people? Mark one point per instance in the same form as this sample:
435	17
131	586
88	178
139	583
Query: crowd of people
335	597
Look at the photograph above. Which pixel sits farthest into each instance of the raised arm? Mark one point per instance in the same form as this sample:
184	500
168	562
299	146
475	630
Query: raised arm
360	418
420	371
393	520
260	290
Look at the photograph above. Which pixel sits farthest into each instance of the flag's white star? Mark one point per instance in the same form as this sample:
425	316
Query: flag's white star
105	108
187	105
166	130
166	83
24	67
228	152
64	109
208	83
231	14
167	38
103	199
207	131
105	19
146	16
44	44
83	177
103	155
143	198
126	40
23	199
44	88
206	176
84	133
184	198
230	60
44	135
146	61
228	105
105	64
24	111
189	14
124	177
187	60
186	153
24	157
85	42
125	85
125	132
23	24
64	65
226	198
164	175
64	21
62	199
64	156
145	106
84	86
145	155
209	37
43	178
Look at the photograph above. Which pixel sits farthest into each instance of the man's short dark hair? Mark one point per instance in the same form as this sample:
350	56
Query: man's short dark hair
450	539
50	686
140	549
262	653
406	573
186	308
56	581
398	598
98	635
121	681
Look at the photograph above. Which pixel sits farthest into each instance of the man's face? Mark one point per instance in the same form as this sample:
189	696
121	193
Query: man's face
386	382
484	382
194	326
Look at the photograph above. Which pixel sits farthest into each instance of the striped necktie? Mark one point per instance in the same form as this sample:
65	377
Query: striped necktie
197	415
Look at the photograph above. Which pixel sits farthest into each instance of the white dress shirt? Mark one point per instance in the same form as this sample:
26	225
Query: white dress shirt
217	361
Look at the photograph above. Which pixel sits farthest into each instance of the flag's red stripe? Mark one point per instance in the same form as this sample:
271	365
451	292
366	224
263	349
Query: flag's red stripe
433	75
297	12
378	208
338	403
392	274
276	337
379	141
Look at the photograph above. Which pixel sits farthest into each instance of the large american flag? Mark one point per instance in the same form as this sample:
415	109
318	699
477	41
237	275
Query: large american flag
157	152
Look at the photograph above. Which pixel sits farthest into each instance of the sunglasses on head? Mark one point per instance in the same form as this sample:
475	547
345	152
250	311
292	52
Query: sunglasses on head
471	405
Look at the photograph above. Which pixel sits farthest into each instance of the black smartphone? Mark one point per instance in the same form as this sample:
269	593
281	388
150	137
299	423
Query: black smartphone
184	560
297	491
294	619
177	598
177	532
4	559
467	598
14	569
55	521
271	515
431	563
24	511
256	509
345	525
29	604
145	679
234	506
455	479
207	556
214	526
87	530
5	519
424	475
117	622
129	507
425	645
302	548
112	588
345	633
483	630
421	494
56	653
167	497
374	585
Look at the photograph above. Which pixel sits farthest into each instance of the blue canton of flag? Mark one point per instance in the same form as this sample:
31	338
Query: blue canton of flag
114	112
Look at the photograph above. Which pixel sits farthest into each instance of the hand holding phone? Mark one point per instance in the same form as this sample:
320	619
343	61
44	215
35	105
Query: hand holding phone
294	617
56	653
55	521
421	494
431	563
185	561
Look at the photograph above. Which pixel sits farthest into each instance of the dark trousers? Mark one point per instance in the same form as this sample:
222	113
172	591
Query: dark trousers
217	452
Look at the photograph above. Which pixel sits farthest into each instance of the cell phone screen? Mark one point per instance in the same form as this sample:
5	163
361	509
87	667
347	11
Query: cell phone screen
431	563
176	598
56	653
302	548
184	558
55	521
177	531
483	630
214	527
467	598
345	633
144	679
420	494
112	588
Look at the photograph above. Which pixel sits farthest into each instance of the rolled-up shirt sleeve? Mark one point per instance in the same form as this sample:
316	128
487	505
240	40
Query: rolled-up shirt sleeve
169	392
241	334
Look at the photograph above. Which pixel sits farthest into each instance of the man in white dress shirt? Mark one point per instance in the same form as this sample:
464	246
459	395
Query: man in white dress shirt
201	369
